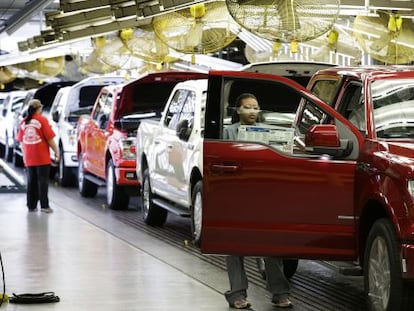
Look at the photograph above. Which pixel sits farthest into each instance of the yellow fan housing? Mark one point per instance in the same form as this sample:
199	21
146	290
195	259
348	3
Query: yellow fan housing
202	28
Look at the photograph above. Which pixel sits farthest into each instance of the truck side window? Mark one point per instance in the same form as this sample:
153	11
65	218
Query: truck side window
99	106
173	113
352	105
325	90
187	112
102	110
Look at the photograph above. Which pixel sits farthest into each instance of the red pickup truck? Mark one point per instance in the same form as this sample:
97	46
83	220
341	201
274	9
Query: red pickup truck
106	137
335	184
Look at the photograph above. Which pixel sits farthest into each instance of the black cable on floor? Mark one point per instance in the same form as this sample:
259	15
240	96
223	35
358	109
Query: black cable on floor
29	298
26	298
4	282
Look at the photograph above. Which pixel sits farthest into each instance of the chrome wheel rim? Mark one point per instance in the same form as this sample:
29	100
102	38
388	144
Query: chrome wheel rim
145	198
109	185
197	215
61	165
80	175
379	275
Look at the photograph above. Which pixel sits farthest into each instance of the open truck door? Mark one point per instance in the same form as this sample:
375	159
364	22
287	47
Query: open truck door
284	188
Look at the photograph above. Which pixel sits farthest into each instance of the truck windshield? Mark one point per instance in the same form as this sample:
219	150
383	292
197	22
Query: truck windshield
393	101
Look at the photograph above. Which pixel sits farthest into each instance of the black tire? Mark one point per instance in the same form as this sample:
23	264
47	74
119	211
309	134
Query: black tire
289	267
17	160
87	188
8	151
152	214
65	175
2	151
116	197
196	212
385	289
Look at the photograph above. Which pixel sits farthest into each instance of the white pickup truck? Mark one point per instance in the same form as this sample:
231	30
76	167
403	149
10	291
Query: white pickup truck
169	157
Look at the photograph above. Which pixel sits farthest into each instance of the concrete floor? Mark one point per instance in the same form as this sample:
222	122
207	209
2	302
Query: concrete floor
103	265
88	267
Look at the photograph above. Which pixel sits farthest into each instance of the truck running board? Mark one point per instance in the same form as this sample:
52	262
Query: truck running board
178	210
345	268
97	181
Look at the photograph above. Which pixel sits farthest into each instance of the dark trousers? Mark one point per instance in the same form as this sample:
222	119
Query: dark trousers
277	284
38	186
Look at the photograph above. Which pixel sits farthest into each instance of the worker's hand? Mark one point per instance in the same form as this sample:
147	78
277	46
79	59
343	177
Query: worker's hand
57	157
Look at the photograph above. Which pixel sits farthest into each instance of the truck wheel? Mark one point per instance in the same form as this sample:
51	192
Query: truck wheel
116	197
152	214
196	212
385	289
87	189
66	177
289	267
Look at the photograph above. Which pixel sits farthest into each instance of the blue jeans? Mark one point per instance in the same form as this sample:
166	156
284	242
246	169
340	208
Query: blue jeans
37	186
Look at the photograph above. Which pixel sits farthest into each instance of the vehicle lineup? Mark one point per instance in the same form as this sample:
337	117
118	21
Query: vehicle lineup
169	151
68	105
335	184
327	173
106	138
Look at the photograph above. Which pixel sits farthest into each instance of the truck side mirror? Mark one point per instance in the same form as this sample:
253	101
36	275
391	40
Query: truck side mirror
324	139
183	130
56	116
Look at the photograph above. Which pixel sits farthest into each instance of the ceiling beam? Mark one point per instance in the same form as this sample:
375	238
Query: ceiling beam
21	17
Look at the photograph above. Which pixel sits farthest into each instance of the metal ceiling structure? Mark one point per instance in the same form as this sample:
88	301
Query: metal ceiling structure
66	21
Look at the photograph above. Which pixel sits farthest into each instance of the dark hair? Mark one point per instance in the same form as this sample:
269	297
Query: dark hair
34	104
240	98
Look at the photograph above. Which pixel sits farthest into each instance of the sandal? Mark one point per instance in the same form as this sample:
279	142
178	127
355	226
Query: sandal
240	303
283	303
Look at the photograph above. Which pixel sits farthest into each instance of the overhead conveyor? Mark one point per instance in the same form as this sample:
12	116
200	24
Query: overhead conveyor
10	181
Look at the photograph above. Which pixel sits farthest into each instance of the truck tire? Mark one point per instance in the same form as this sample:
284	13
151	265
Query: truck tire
66	177
196	212
385	290
17	159
87	188
152	214
116	197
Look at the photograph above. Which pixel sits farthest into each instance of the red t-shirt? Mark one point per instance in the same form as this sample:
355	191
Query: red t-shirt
34	137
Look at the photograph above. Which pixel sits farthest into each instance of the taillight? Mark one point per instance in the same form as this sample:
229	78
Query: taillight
128	148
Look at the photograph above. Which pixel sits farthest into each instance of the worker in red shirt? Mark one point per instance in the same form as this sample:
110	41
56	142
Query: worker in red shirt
36	136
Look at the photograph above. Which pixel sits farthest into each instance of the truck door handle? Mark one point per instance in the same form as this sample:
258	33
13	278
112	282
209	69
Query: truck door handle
222	168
